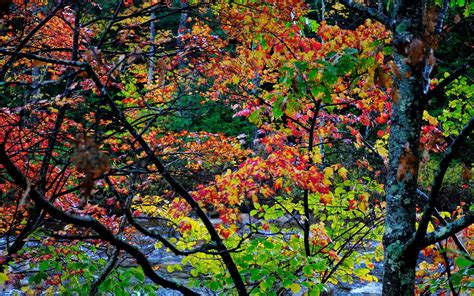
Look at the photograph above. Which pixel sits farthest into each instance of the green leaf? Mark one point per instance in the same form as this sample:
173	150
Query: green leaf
319	266
339	191
277	111
312	74
345	65
301	66
214	286
139	275
456	279
39	277
315	90
307	270
268	245
360	272
318	288
286	283
267	283
463	262
44	265
329	74
254	274
264	44
255	117
194	272
375	43
264	286
387	50
313	25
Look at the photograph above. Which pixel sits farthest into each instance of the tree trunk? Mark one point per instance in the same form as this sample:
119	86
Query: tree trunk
152	47
400	262
182	30
407	110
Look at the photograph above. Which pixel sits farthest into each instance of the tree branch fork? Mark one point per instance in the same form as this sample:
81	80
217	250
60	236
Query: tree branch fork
217	242
87	221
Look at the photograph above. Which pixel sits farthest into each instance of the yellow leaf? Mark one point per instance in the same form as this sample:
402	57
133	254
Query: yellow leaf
326	182
380	147
342	173
328	172
235	79
295	288
52	109
27	290
446	215
49	291
254	198
3	278
432	120
363	205
233	198
317	158
430	227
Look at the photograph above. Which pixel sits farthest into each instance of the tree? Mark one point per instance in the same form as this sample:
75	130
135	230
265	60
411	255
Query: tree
85	141
416	27
97	73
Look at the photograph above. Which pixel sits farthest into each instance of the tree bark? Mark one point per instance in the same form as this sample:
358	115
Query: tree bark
151	63
401	188
400	221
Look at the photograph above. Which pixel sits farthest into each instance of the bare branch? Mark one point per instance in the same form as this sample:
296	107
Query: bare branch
452	150
103	275
151	233
42	59
109	26
447	231
448	267
371	13
438	90
443	222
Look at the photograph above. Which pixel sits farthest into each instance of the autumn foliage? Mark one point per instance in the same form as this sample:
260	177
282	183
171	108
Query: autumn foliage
91	92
